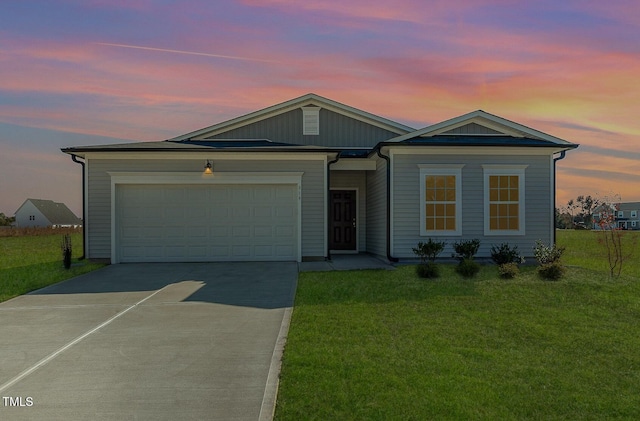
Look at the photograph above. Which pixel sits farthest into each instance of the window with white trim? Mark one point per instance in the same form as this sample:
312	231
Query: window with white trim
504	199
620	214
634	214
634	223
440	199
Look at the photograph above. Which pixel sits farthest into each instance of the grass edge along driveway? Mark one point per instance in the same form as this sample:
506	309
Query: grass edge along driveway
31	262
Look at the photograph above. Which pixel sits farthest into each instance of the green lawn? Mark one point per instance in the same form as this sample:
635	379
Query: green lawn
28	263
583	249
386	345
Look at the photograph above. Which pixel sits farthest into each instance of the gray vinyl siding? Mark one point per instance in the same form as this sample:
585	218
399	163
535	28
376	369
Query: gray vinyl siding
99	195
355	179
336	130
406	202
377	209
473	128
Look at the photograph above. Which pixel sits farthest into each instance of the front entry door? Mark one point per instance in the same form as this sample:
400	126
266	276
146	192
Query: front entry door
342	219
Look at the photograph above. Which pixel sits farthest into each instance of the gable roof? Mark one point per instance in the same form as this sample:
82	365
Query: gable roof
496	131
303	101
56	213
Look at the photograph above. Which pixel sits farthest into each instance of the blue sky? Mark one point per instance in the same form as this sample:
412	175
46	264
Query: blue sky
82	72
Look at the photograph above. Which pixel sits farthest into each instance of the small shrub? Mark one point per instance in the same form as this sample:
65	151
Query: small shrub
545	254
508	270
66	250
468	268
551	271
428	270
466	249
504	254
430	250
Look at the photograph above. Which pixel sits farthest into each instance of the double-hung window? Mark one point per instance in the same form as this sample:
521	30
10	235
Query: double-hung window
440	199
504	199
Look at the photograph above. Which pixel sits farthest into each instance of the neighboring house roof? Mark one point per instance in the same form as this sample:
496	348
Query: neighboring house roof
305	100
56	213
497	131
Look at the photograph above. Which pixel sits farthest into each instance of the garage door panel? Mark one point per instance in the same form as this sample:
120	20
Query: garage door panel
263	231
206	223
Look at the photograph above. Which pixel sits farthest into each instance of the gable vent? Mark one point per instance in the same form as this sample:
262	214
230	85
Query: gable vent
311	121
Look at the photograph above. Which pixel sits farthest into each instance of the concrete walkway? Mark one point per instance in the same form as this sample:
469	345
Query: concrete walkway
148	342
345	262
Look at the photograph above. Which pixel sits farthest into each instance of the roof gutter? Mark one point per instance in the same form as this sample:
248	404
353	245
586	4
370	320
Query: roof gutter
386	158
84	208
555	216
328	200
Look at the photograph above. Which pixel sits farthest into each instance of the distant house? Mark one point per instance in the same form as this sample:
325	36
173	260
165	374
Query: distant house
627	216
45	213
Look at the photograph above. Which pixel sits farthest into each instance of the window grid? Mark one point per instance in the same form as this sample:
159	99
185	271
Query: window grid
440	202
504	204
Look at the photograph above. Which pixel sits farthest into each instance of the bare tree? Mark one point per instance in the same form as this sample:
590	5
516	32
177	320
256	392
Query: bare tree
612	237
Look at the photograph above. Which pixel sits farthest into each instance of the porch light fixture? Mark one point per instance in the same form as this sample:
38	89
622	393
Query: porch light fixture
208	168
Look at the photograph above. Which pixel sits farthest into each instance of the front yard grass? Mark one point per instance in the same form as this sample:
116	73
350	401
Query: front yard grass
31	262
382	345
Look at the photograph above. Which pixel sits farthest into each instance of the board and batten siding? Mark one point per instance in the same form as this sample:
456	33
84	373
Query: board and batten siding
377	209
406	202
336	130
99	194
355	179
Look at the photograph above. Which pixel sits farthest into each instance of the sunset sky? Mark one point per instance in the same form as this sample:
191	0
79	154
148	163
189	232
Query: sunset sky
84	72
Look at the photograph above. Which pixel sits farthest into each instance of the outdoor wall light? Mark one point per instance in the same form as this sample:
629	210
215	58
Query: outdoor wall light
208	168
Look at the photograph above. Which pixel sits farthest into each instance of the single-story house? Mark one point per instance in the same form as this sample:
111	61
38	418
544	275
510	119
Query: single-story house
45	213
310	177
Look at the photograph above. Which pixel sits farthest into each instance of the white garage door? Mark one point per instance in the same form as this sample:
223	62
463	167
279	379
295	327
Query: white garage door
182	223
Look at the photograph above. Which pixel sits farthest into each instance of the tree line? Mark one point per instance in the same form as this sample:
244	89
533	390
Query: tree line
6	220
577	213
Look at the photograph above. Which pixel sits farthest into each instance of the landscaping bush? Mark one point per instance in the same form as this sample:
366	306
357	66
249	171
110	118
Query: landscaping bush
508	270
428	270
504	254
428	252
548	258
551	271
545	254
468	268
466	249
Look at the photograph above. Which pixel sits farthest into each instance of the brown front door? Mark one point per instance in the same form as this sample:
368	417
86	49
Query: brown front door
342	220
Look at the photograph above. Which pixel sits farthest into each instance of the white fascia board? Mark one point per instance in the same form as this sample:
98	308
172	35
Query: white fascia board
471	150
255	156
346	164
504	130
486	119
290	105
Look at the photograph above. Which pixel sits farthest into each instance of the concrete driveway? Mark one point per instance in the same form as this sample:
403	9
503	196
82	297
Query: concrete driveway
148	342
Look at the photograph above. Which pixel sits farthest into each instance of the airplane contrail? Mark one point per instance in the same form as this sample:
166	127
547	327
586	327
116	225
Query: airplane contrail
165	50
